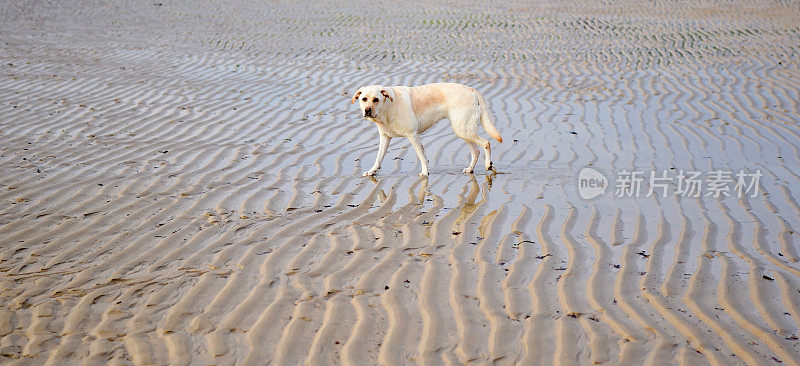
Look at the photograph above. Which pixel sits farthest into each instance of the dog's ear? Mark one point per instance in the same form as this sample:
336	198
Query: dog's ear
355	97
386	94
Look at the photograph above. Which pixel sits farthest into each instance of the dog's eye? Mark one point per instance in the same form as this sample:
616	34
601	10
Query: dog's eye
364	99
375	100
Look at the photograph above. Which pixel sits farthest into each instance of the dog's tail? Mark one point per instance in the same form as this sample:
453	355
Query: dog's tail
486	121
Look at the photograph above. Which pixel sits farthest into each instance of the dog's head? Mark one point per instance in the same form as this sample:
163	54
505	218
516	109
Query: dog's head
373	99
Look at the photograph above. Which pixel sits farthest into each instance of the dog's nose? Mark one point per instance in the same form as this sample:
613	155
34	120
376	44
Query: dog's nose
367	112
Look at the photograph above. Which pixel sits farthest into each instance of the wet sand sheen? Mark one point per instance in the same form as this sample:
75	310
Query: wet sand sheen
180	184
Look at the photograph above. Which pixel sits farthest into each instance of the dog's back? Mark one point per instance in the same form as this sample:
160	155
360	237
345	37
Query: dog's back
433	102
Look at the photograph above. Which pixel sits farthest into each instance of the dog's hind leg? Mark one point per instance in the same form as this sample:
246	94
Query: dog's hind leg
465	126
487	148
474	152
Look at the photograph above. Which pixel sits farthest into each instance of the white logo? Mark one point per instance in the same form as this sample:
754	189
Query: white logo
591	183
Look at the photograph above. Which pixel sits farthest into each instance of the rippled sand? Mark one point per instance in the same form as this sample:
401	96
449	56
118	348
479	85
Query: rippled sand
180	183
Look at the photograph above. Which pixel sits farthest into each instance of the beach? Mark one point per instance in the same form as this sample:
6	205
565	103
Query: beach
180	183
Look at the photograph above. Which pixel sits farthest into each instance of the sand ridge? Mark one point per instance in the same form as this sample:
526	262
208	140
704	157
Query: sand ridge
180	184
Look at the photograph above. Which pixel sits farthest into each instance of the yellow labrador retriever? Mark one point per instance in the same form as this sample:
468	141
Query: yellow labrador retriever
408	111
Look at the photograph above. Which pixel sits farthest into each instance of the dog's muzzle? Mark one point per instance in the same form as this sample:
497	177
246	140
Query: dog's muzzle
367	112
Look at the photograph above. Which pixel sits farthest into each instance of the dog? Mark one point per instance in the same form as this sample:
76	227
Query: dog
402	111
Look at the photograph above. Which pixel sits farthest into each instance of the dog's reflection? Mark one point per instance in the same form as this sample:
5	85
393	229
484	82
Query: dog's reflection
473	197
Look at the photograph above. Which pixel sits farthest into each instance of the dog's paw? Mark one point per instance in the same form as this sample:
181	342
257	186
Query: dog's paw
423	174
490	166
467	170
368	173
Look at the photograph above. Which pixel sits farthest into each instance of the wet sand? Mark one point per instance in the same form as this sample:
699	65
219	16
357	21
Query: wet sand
180	184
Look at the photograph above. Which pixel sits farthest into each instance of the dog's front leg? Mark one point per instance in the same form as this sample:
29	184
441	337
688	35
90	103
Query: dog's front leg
384	145
420	153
